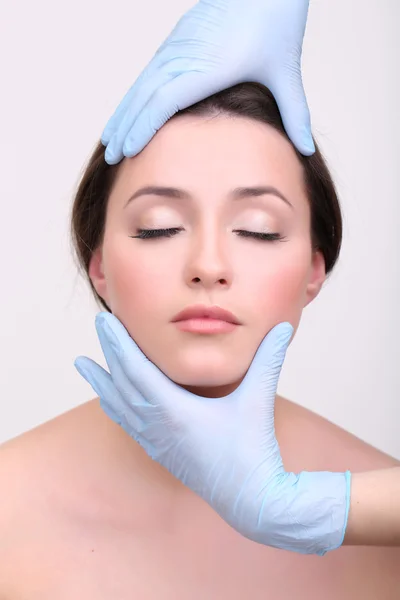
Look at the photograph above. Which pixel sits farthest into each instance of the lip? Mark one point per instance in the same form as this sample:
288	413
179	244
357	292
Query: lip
204	313
205	326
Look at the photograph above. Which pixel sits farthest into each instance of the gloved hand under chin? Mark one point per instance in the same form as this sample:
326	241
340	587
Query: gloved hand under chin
215	45
224	449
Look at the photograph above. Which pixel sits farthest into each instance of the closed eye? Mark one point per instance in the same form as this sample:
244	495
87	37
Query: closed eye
268	237
144	234
170	232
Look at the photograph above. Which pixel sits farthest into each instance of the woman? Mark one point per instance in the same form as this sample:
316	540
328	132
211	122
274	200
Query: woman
214	46
104	520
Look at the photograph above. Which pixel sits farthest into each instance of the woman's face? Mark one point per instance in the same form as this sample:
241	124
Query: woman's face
213	163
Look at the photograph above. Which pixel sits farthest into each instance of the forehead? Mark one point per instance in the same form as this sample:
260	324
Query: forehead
212	155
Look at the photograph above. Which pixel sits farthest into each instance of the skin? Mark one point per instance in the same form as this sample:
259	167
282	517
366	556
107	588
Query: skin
87	513
147	282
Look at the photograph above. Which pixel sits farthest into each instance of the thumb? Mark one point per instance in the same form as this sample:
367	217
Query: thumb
291	99
267	363
257	400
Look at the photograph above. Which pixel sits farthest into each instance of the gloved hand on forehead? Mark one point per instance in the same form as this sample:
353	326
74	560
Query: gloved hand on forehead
223	449
215	45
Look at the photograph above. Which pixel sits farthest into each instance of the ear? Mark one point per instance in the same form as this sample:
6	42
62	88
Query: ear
317	277
96	274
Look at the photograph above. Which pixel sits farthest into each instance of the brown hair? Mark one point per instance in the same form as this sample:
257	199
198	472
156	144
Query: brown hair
251	100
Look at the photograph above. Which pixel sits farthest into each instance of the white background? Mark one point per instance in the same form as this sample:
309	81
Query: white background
64	68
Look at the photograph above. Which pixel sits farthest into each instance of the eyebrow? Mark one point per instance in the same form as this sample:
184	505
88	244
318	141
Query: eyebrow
236	194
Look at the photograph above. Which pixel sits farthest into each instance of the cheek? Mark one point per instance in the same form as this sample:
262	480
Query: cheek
135	281
281	285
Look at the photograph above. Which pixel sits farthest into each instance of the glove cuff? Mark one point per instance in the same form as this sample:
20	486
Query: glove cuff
322	510
310	513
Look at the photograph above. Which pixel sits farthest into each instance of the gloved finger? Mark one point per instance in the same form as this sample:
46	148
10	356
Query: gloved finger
124	405
161	448
126	419
108	409
128	140
112	359
151	383
116	118
115	153
176	94
112	123
291	99
100	381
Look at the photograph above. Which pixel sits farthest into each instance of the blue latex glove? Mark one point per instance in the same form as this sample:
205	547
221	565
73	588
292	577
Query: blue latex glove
224	449
215	45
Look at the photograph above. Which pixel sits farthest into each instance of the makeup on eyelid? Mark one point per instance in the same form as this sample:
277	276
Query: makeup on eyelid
270	204
251	219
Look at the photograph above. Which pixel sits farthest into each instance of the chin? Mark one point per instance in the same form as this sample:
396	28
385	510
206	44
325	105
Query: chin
213	391
207	379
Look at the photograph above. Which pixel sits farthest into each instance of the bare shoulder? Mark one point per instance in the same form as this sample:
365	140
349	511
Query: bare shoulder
11	484
311	442
22	464
36	465
41	472
17	503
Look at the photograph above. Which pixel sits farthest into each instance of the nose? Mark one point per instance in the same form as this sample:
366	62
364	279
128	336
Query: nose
208	264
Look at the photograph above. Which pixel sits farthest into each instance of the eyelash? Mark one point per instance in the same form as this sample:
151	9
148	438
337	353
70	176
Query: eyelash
144	234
